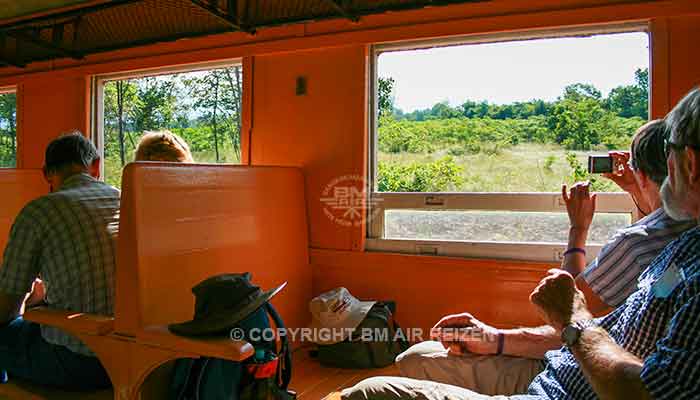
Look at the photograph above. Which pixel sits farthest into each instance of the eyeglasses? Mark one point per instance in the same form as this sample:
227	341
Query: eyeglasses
669	145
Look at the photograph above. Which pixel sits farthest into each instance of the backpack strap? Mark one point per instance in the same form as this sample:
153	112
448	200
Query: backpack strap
390	307
284	367
198	385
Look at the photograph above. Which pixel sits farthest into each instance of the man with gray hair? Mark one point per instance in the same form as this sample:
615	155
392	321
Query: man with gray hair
505	361
68	238
648	347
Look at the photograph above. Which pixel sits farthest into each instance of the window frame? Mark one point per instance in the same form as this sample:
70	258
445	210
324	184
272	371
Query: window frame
379	202
97	86
7	90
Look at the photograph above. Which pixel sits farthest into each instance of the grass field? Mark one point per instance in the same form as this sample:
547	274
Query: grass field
522	168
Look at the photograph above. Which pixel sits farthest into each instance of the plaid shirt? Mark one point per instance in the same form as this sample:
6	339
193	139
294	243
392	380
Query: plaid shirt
67	237
614	273
664	332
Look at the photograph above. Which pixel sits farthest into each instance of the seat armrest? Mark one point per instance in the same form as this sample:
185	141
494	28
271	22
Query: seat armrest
224	348
71	321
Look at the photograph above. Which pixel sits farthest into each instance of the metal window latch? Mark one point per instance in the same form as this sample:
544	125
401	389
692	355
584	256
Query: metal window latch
434	201
427	250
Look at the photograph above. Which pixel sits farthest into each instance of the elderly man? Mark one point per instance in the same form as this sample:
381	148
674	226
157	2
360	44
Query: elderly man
504	361
68	238
646	348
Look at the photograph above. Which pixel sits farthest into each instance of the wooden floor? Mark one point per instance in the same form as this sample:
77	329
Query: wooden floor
310	380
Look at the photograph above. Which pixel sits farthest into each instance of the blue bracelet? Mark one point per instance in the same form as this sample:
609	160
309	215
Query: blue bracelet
574	250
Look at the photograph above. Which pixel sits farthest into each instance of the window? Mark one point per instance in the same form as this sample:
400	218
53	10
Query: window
8	128
473	138
201	104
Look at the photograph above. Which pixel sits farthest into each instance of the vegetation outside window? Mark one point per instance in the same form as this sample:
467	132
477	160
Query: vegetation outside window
202	106
473	140
8	128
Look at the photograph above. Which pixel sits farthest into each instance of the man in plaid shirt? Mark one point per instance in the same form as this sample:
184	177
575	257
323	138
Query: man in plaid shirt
647	348
68	238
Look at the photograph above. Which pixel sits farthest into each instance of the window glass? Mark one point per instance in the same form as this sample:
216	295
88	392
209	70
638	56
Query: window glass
495	226
8	129
519	116
202	107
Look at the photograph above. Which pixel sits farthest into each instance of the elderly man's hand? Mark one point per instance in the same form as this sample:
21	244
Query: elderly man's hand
462	333
580	205
559	301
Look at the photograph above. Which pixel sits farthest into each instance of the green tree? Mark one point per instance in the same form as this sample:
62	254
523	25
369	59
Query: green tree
8	129
575	123
385	96
120	100
581	91
641	78
631	100
156	104
443	110
217	97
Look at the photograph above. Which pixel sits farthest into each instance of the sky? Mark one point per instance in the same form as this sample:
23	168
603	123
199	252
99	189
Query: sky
503	73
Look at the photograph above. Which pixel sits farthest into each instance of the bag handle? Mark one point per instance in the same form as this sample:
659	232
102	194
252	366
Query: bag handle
284	367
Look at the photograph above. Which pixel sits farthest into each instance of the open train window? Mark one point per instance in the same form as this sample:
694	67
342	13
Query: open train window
8	128
201	104
472	139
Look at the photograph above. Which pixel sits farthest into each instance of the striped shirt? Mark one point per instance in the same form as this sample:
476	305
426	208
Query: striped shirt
662	331
67	237
613	274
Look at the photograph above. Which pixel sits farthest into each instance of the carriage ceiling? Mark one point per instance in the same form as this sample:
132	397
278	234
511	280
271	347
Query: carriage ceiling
36	30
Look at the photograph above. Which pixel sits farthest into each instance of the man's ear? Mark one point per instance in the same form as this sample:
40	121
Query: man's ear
95	168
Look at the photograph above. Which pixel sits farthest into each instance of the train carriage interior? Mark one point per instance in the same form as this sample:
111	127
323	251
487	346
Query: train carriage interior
410	151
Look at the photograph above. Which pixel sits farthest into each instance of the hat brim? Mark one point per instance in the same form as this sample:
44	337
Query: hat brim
220	322
351	322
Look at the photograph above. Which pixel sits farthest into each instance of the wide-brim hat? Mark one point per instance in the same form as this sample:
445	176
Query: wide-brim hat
223	301
335	314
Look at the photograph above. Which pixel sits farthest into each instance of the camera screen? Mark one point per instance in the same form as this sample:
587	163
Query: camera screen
600	164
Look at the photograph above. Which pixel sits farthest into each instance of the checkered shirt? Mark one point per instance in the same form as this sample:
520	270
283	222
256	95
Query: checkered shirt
67	237
664	332
614	273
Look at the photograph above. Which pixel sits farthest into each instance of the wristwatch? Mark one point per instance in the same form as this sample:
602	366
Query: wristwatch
572	332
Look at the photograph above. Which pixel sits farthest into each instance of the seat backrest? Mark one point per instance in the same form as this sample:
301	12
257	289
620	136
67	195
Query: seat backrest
17	188
182	223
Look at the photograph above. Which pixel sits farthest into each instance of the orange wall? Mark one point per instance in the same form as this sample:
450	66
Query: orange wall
49	107
324	131
427	288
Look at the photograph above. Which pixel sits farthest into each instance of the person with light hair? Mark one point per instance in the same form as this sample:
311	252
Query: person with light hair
163	146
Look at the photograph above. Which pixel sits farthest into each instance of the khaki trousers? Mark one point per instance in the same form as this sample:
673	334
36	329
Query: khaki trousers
398	388
491	375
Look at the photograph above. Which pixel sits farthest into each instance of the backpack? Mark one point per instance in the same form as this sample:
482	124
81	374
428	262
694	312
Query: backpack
264	376
358	352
